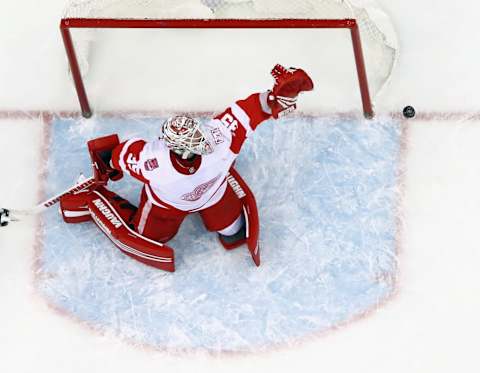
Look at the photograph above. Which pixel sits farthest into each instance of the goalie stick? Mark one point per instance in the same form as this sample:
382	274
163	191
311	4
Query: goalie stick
8	215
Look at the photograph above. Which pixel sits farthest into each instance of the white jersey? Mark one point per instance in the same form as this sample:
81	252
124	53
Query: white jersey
174	183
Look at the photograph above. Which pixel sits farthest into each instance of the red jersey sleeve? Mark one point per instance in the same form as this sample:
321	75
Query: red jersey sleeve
242	118
126	157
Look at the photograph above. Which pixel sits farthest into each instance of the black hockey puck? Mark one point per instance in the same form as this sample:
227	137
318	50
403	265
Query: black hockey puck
408	112
4	217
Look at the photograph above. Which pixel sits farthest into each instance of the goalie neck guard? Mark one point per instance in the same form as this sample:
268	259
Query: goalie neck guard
183	135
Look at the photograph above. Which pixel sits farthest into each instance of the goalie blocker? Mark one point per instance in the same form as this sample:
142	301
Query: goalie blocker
112	215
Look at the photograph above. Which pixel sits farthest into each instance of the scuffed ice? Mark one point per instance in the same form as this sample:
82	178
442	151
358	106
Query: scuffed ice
327	192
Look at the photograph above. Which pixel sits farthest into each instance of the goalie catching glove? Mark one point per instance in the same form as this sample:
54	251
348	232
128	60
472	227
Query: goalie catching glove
289	83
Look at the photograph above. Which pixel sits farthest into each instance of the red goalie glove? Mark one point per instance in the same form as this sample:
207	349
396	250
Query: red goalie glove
288	84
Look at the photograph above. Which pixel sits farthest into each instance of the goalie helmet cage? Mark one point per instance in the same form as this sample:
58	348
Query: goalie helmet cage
89	20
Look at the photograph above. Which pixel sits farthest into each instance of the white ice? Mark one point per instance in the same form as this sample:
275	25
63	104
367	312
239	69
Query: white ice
429	326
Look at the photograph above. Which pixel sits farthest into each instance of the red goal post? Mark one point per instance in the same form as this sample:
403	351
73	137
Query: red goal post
91	22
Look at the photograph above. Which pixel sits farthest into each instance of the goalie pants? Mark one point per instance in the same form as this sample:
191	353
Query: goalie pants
162	224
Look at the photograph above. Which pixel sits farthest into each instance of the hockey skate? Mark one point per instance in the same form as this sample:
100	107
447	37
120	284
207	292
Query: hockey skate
289	83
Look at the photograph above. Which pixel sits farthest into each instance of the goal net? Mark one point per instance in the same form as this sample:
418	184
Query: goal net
269	31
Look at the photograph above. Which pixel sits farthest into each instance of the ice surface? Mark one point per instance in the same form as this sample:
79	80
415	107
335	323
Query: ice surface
327	191
431	325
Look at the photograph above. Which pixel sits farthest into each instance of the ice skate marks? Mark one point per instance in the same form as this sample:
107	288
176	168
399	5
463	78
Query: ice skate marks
327	194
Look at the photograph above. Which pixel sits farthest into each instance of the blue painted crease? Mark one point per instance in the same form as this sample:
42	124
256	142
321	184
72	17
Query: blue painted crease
327	192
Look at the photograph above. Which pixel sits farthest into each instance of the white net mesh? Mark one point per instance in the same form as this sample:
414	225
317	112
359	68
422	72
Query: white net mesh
137	9
325	9
209	9
378	38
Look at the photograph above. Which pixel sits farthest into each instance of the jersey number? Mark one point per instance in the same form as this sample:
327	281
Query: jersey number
132	164
230	122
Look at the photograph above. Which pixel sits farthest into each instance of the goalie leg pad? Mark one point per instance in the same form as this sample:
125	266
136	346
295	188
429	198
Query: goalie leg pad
123	207
110	221
241	201
74	207
250	212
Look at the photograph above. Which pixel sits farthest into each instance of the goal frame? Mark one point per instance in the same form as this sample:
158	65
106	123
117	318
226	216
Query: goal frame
106	23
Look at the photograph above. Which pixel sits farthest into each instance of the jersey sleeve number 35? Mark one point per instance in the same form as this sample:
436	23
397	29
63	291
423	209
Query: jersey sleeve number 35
239	134
230	122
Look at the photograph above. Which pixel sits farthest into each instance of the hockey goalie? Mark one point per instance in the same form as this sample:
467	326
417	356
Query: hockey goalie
188	169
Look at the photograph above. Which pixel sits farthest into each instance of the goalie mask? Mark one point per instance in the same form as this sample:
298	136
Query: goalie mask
183	135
